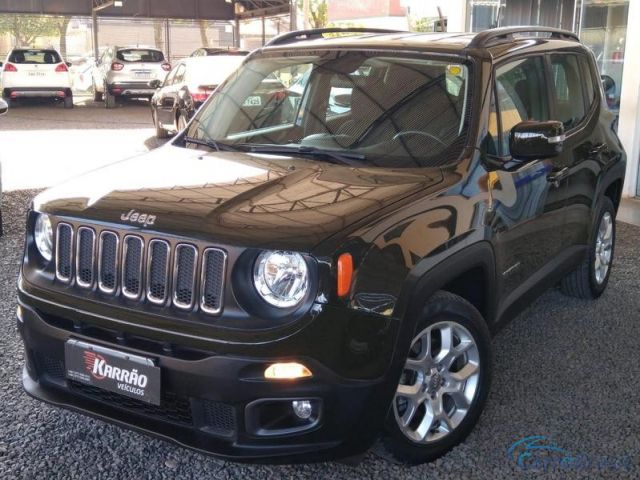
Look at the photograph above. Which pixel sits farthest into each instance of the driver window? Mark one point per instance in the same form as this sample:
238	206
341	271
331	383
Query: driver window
169	78
179	76
521	95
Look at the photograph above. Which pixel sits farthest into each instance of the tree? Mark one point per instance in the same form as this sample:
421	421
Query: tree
318	13
26	29
63	24
204	39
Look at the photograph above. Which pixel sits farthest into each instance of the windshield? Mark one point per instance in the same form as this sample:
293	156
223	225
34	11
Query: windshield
380	109
35	56
139	55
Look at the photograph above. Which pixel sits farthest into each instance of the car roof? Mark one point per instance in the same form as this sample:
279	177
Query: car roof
466	43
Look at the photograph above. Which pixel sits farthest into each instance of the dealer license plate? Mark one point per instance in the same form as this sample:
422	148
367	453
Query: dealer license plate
253	101
129	375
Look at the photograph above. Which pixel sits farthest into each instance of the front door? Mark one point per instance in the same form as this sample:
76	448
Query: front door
528	209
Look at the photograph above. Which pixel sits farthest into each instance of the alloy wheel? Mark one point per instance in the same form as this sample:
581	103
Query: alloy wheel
439	382
603	247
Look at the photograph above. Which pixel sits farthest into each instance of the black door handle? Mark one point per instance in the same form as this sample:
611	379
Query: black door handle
557	176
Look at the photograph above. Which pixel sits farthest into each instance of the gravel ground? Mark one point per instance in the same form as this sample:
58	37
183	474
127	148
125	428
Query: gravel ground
564	369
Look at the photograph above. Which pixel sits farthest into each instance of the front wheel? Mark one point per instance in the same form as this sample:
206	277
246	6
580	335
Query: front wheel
444	383
591	277
68	101
109	99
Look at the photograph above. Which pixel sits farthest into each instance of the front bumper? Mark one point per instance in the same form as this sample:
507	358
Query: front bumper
208	399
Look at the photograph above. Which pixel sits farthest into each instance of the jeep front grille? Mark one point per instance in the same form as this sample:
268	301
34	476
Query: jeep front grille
150	270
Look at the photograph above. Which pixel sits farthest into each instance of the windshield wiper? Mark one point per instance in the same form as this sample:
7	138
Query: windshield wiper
340	157
212	144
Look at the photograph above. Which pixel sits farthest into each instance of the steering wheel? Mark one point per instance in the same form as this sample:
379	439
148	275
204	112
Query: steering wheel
418	132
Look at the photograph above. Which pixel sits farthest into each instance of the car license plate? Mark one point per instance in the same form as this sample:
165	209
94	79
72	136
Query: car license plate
142	75
37	74
129	375
253	101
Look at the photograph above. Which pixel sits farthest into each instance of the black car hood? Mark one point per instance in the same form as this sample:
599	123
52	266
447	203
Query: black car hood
231	198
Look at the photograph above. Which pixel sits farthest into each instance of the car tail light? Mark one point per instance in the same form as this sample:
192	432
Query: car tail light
166	67
202	94
10	68
116	67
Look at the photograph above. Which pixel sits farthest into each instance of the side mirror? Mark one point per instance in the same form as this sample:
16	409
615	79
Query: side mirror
155	83
68	64
533	140
343	100
608	83
4	107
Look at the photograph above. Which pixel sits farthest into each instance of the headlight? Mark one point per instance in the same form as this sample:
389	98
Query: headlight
43	234
281	278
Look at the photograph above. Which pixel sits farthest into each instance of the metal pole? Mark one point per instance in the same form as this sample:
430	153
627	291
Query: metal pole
94	30
167	39
237	35
264	40
293	21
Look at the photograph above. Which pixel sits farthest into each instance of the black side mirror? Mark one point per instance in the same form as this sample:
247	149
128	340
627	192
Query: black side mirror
533	140
68	64
608	83
4	107
155	83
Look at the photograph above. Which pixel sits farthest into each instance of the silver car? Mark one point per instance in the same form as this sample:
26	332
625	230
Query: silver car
123	72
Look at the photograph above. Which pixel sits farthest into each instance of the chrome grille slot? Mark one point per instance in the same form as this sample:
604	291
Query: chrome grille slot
64	252
132	260
212	281
158	271
108	262
85	256
184	276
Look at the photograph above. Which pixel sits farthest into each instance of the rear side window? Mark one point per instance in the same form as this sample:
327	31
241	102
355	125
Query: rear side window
521	95
35	57
139	55
568	97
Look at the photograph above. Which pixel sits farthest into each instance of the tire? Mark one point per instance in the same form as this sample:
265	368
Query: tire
588	281
109	100
160	132
465	382
68	101
181	122
97	96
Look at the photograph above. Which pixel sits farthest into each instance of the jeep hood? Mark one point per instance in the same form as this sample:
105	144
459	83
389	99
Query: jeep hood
233	198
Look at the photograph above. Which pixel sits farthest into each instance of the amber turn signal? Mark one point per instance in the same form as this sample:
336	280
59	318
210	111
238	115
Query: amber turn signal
286	371
345	274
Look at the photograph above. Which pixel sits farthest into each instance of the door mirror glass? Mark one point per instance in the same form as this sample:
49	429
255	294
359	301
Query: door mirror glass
533	140
155	83
608	83
4	108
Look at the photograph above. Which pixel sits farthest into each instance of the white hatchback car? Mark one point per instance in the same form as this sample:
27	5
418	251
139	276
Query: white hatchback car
33	72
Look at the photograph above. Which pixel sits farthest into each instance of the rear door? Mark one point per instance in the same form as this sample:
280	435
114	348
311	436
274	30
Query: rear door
574	104
528	214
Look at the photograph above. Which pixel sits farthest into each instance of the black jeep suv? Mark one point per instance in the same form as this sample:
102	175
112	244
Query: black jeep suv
291	281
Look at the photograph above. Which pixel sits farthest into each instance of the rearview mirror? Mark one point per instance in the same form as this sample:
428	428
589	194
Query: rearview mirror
533	140
155	83
4	107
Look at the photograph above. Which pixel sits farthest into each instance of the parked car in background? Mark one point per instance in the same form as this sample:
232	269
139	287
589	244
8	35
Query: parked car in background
186	87
213	51
125	72
4	108
81	70
35	72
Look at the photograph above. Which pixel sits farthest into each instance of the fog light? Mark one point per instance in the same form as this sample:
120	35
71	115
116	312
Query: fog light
286	371
302	408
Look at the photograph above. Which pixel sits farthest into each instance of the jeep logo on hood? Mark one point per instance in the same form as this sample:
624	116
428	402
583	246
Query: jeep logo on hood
137	217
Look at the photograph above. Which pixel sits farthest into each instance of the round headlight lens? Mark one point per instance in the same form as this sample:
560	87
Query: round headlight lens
281	278
43	234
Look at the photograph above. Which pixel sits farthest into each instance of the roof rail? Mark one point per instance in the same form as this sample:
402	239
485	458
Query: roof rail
315	33
503	34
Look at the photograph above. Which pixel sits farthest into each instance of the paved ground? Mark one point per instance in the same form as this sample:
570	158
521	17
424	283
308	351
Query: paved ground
565	369
42	144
